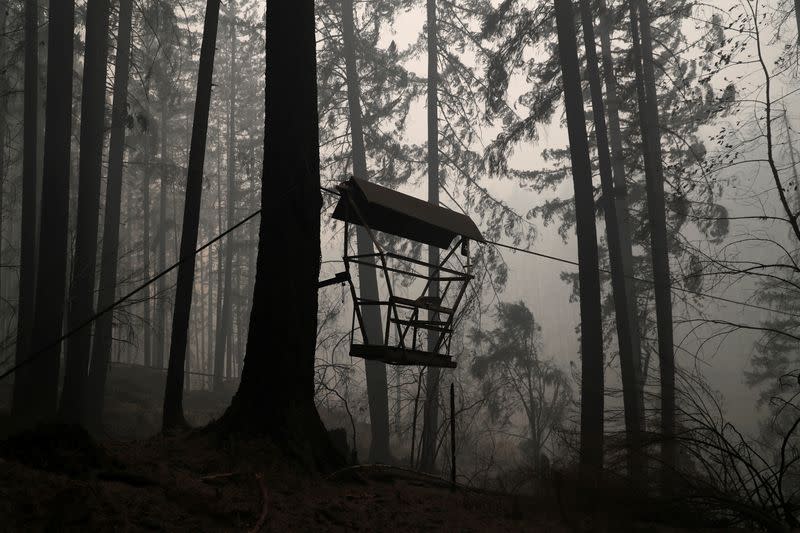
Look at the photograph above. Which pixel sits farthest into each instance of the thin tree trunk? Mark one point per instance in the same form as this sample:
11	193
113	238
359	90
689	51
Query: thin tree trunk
27	274
148	326
276	394
621	200
111	224
84	265
377	390
161	265
219	355
44	39
591	446
40	401
224	322
211	366
202	341
430	419
625	331
654	172
173	396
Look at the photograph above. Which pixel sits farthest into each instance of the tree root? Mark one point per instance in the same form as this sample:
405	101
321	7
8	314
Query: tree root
263	518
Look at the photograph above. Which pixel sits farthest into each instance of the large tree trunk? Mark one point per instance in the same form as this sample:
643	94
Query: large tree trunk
27	273
654	171
276	393
173	395
591	447
224	321
81	293
3	175
430	419
620	286
40	400
101	348
377	389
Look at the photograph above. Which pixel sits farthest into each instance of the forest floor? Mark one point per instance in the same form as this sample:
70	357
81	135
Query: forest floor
59	479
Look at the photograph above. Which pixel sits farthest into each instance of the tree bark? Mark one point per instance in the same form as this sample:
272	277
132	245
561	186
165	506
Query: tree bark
41	399
654	171
377	388
3	128
591	446
625	331
224	321
173	396
430	419
27	273
84	265
101	349
276	393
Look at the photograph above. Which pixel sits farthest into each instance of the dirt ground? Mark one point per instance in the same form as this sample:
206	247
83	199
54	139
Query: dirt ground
58	479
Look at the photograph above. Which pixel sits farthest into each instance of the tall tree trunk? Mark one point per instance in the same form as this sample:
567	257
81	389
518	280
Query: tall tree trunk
224	321
101	348
202	347
591	447
625	331
3	126
621	200
654	171
161	260
27	273
219	355
276	394
377	389
430	420
43	38
211	365
82	288
147	303
40	401
173	396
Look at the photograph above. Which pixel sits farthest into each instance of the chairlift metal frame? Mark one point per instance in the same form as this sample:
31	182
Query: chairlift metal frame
377	208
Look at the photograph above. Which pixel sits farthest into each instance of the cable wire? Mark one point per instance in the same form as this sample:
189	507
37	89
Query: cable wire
32	357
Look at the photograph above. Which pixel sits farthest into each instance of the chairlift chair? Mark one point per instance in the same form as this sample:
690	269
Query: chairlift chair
423	315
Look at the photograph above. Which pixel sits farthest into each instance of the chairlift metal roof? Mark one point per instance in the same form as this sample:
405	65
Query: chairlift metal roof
403	215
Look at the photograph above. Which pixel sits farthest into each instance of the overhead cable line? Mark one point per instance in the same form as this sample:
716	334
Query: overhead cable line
35	355
647	281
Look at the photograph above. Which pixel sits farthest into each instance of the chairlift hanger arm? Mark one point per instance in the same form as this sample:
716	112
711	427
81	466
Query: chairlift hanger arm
340	277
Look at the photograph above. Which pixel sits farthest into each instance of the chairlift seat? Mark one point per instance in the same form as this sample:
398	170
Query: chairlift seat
395	355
